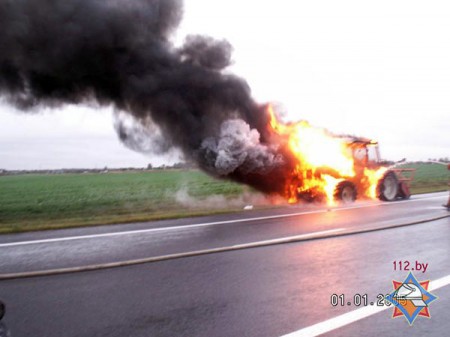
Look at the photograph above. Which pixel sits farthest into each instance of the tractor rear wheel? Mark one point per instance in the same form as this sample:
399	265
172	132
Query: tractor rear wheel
345	191
403	191
388	187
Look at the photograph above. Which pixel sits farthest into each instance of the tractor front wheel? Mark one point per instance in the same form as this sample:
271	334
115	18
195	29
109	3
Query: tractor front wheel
345	191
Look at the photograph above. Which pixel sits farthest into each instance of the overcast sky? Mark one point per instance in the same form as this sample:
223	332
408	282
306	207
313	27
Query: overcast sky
374	69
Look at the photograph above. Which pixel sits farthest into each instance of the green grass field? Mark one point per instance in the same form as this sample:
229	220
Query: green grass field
31	202
429	178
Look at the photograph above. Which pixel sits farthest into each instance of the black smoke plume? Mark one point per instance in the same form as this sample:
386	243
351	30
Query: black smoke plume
56	52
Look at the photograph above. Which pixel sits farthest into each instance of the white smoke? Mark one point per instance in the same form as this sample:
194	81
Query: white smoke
140	135
220	201
238	147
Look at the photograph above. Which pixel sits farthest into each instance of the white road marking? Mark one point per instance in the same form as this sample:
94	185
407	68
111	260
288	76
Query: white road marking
355	315
92	236
264	243
205	224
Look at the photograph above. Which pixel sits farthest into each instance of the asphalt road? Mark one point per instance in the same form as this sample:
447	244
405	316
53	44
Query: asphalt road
266	291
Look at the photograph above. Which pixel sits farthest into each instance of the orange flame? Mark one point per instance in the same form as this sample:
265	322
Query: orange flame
373	176
322	161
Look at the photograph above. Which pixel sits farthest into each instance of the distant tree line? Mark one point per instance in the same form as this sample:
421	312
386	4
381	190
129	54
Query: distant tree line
442	160
150	167
179	165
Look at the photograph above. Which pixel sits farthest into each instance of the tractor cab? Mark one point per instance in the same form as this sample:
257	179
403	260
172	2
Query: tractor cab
365	152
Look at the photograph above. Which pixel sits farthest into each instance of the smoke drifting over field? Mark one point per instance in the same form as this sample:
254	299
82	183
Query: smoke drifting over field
113	52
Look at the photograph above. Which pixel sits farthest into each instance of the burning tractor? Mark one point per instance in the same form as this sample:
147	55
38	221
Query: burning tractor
386	184
336	168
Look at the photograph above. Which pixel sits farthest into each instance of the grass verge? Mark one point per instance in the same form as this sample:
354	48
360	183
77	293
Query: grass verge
36	202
